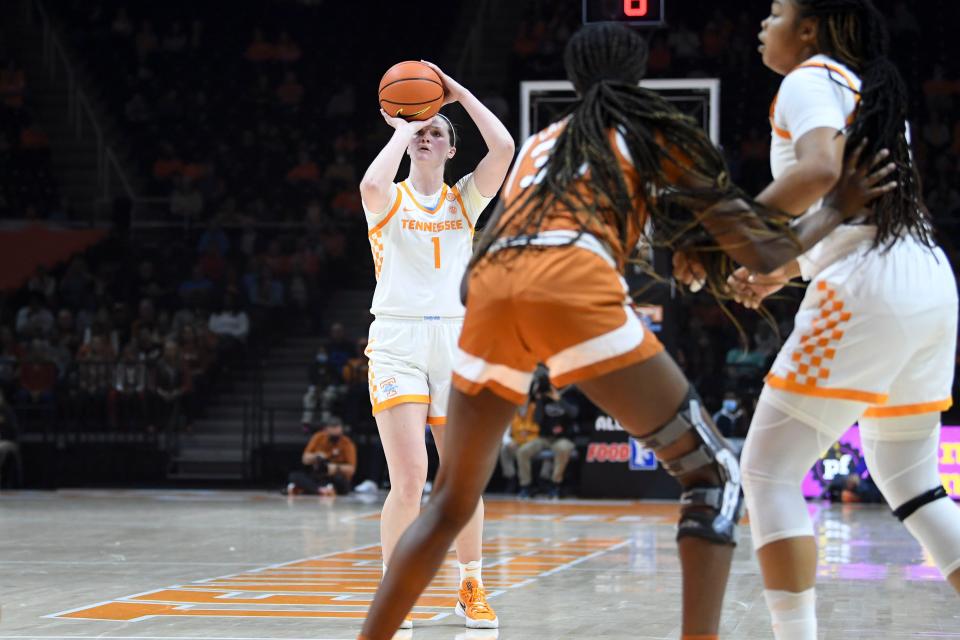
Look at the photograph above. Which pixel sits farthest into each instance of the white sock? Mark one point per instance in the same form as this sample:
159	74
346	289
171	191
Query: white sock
384	568
794	615
471	570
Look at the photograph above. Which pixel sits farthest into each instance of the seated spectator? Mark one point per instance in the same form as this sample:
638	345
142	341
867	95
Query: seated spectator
731	419
213	264
76	285
9	435
339	347
175	41
43	283
290	92
126	402
168	165
35	317
276	260
330	459
556	417
38	374
356	402
287	50
196	355
94	379
196	285
214	236
11	354
259	50
231	324
340	169
523	429
171	388
263	289
305	171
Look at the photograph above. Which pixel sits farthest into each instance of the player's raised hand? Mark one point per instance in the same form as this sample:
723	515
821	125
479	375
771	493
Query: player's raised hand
861	182
452	90
412	126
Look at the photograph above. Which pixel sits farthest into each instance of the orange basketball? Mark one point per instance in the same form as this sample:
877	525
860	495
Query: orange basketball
411	90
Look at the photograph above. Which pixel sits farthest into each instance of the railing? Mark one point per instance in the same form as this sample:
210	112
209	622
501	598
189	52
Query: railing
111	178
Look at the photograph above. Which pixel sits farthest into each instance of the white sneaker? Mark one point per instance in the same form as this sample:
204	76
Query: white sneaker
407	623
367	486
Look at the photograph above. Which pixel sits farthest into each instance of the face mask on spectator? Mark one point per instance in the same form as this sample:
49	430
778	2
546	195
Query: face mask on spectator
321	358
730	405
334	439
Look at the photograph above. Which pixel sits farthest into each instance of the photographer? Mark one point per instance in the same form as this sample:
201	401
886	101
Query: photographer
556	416
330	459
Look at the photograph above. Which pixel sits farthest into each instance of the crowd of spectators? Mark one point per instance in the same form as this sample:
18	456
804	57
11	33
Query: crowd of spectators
132	337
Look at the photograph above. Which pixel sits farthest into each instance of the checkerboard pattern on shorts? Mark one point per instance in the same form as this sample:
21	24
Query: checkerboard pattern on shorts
818	348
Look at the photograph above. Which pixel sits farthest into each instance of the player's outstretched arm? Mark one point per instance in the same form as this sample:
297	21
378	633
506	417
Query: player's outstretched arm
377	183
492	169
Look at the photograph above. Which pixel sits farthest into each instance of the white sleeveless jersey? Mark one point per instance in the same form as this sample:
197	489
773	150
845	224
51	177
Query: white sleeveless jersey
421	247
821	92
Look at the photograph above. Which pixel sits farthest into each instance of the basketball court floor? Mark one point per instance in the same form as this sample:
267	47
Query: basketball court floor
232	565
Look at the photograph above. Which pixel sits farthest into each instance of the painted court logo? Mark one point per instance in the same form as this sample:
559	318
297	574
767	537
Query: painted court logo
341	585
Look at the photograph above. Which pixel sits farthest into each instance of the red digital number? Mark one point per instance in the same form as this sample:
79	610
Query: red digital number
635	8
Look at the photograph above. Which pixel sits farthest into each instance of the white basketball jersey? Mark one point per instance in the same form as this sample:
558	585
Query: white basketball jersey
421	247
821	92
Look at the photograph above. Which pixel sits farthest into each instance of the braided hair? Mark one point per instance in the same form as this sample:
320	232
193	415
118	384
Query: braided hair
605	62
855	33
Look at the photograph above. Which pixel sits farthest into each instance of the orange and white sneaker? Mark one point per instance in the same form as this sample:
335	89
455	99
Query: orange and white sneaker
407	623
473	606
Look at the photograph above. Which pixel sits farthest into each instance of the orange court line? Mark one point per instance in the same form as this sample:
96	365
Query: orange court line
343	580
220	597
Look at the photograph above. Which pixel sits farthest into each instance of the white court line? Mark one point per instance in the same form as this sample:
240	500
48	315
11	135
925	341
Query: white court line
136	595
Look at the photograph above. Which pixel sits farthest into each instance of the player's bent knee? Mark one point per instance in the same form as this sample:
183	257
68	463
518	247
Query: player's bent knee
709	510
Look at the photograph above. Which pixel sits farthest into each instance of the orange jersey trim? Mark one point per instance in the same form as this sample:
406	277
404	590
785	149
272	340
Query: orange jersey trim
909	409
437	421
392	402
443	197
393	210
783	133
463	208
820	392
472	388
641	353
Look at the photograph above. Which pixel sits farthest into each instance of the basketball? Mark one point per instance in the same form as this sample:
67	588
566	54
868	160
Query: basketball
411	90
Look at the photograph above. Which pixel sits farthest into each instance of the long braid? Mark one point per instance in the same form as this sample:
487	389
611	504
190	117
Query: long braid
855	33
605	63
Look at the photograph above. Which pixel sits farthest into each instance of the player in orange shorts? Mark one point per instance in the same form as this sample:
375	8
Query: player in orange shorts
545	285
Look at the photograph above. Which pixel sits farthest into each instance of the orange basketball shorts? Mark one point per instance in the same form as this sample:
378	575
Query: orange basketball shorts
567	307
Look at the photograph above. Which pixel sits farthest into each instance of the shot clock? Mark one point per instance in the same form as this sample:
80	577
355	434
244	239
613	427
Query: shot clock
640	13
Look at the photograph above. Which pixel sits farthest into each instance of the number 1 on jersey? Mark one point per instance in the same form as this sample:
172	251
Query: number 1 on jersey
436	251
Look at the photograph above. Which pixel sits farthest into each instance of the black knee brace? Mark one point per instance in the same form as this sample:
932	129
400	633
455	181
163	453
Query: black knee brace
910	507
710	512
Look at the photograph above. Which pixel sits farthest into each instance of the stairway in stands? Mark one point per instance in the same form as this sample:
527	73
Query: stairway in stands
214	452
